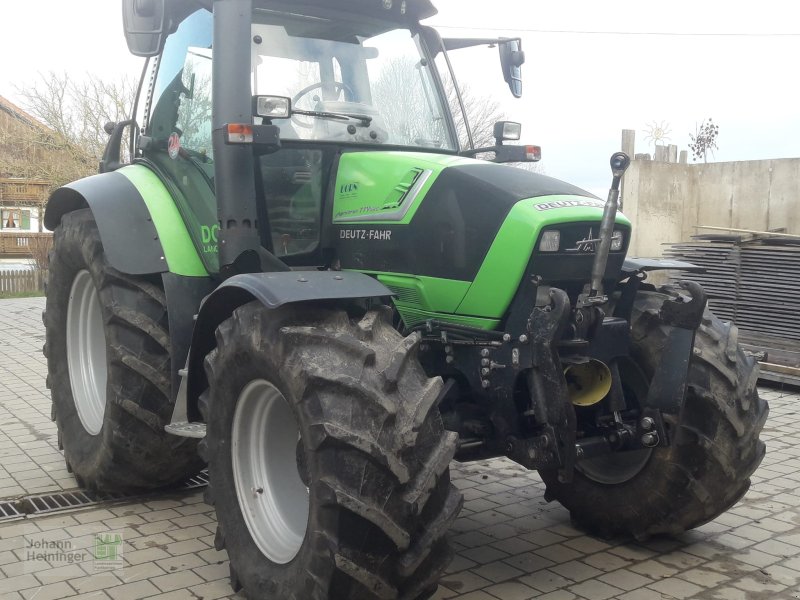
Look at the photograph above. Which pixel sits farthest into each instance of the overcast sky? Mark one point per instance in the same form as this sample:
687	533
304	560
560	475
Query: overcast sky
733	61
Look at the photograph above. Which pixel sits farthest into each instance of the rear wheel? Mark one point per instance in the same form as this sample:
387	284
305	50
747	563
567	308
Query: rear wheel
714	449
108	359
328	461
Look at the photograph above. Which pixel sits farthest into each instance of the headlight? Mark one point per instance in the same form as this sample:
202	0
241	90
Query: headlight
617	241
551	240
273	107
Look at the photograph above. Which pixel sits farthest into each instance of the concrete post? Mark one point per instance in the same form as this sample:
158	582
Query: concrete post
629	142
661	153
628	147
684	157
672	152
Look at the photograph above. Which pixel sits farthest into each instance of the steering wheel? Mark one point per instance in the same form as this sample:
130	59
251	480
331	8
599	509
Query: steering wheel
338	86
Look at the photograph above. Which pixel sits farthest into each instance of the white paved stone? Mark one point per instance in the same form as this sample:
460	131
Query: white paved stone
511	544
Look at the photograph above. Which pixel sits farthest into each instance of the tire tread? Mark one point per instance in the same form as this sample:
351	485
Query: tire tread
361	389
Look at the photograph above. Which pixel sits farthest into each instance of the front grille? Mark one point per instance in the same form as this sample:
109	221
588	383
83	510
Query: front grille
579	238
575	258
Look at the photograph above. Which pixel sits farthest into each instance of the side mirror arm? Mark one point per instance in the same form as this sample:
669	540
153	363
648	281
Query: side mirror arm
111	155
507	154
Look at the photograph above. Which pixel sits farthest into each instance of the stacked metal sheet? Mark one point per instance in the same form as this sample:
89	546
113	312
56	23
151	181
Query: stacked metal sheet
756	284
720	259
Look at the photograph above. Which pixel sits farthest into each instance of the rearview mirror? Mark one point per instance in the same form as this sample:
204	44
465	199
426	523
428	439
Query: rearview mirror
144	22
511	60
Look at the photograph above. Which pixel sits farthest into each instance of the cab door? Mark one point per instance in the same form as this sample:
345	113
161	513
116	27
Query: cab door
176	137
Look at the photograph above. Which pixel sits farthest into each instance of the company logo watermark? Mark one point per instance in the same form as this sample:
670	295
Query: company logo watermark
108	551
96	551
55	552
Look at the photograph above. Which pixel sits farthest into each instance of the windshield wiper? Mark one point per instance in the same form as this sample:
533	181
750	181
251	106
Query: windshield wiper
366	120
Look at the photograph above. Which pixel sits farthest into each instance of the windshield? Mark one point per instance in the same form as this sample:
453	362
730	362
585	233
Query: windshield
350	81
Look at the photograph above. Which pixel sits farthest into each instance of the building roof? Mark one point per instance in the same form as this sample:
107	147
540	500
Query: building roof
18	129
19	114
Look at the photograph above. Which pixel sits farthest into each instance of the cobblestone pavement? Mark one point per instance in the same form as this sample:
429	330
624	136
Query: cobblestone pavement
510	544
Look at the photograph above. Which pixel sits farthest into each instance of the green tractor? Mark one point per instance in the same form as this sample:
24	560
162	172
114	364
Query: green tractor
301	278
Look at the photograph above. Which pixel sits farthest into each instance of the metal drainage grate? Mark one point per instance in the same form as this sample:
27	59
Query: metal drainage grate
42	504
9	510
196	481
47	503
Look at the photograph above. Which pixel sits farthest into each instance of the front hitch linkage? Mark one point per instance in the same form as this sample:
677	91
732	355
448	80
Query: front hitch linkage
619	164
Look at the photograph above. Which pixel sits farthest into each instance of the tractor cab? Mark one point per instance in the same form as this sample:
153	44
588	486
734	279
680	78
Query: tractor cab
297	86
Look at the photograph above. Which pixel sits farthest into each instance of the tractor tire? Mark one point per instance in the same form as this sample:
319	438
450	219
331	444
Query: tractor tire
714	449
328	461
108	359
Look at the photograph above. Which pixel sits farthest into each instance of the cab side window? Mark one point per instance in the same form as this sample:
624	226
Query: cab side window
182	93
194	112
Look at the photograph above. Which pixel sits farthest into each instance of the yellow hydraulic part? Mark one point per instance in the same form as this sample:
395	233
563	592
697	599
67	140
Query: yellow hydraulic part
588	382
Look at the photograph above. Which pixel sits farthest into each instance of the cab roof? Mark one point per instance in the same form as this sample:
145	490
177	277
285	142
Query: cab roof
401	11
418	9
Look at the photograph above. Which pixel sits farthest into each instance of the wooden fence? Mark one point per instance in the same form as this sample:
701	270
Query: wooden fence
15	282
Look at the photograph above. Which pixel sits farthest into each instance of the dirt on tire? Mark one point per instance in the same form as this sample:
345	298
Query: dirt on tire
715	444
373	450
131	452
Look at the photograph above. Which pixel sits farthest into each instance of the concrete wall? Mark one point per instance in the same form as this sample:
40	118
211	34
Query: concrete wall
665	201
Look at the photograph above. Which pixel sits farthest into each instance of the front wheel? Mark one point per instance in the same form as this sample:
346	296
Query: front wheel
328	461
714	449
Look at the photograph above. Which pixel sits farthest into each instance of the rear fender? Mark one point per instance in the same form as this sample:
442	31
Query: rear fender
139	224
631	266
272	290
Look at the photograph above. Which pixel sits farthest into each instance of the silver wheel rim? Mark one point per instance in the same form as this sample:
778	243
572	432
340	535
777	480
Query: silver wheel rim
272	497
616	468
86	353
619	467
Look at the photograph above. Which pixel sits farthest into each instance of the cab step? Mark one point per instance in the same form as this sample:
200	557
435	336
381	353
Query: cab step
186	429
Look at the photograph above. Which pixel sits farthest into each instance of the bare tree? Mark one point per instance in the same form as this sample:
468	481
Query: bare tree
39	247
68	140
399	88
704	140
30	150
64	140
78	110
480	112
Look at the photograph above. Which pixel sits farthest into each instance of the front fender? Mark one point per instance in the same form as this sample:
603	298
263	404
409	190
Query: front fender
272	290
139	224
633	265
